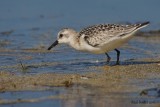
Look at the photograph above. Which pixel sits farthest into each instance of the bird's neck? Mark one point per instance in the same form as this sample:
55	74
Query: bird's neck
75	42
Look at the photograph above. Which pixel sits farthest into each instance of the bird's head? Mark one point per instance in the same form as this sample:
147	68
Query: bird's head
64	36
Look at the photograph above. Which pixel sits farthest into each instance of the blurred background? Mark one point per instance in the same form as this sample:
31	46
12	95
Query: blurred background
22	14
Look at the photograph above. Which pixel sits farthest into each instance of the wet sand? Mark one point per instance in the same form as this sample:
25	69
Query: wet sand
120	78
108	79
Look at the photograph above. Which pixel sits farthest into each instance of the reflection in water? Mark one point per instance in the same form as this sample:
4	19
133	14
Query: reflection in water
77	96
84	97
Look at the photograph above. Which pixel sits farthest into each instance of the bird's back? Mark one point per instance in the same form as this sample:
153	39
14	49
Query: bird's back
99	34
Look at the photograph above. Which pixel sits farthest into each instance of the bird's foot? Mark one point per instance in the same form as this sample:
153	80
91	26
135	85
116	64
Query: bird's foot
117	63
108	59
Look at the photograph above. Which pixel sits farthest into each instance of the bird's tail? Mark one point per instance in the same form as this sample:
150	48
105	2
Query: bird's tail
141	25
136	28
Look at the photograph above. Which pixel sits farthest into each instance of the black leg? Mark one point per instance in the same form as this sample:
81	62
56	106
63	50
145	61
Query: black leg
108	57
118	55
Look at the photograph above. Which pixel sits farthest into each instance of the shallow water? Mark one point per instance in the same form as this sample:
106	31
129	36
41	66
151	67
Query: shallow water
77	96
28	27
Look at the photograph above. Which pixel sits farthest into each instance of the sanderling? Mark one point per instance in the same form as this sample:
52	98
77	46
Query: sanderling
99	39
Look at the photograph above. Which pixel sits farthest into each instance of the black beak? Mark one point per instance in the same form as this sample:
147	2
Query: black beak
53	45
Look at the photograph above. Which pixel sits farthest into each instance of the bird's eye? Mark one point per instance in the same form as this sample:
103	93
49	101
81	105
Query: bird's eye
61	35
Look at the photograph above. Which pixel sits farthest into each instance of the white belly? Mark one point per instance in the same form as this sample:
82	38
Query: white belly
108	46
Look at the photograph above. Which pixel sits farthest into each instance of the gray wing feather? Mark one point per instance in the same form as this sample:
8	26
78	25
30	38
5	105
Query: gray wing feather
99	34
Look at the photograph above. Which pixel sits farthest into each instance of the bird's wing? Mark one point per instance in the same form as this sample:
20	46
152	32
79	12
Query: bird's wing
98	35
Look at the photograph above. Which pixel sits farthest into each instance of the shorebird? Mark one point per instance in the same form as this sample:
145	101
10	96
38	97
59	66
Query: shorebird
99	39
